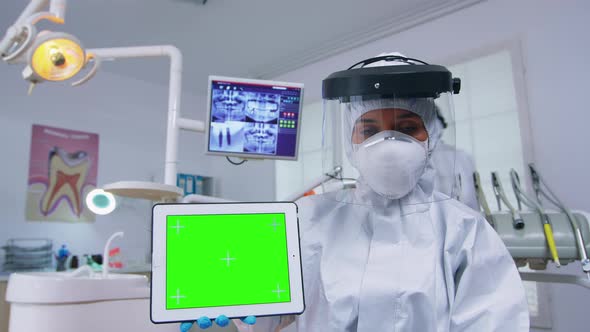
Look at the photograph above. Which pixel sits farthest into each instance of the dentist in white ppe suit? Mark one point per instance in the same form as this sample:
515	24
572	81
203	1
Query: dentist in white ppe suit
393	254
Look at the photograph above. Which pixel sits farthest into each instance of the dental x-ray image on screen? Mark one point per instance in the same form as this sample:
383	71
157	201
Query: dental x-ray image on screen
254	118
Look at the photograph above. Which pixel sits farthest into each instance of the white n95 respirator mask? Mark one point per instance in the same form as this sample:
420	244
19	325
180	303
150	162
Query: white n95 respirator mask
390	162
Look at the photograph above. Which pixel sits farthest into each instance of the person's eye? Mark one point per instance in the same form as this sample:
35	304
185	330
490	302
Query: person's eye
408	129
368	132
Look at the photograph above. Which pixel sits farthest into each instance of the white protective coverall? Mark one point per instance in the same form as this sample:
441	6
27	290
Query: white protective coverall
390	267
374	264
423	262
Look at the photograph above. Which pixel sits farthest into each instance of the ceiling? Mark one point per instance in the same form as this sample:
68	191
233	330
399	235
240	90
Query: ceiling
256	38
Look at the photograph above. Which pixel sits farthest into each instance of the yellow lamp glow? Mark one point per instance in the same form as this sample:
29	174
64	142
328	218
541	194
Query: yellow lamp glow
57	57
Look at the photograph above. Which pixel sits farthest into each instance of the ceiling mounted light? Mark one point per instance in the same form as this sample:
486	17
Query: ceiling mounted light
54	56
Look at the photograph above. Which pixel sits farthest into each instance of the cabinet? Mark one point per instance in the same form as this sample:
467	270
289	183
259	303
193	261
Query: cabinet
4	308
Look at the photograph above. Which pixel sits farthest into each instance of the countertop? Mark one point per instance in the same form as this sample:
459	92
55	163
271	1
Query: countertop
141	268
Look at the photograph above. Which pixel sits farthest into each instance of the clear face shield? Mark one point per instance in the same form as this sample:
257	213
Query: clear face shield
381	124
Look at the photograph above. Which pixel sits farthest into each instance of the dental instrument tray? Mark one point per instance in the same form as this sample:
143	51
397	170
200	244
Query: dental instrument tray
233	259
529	242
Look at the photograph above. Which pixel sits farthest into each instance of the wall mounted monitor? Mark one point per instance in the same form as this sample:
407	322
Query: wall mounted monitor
255	119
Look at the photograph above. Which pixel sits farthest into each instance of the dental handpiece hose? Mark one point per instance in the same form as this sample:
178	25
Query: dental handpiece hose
584	261
547	228
517	221
481	198
550	240
552	198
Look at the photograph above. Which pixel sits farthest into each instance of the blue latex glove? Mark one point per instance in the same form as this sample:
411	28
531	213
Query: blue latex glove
205	322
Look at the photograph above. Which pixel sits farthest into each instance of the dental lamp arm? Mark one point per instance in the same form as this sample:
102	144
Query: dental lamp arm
58	8
175	121
14	34
56	13
92	72
8	40
32	8
28	18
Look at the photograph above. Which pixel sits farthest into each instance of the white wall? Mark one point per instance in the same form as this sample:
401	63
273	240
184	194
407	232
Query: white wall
554	39
555	55
130	117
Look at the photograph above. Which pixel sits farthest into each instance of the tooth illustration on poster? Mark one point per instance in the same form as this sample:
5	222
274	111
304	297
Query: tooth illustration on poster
63	169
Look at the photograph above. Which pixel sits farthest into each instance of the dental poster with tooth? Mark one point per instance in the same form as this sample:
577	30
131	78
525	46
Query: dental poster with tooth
63	169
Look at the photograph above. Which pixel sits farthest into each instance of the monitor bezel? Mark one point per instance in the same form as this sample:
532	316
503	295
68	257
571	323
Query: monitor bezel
259	82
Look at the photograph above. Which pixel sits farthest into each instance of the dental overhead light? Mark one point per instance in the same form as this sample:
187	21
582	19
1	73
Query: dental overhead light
49	56
54	57
57	56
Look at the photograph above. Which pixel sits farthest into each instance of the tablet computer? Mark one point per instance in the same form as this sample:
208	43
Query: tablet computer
235	259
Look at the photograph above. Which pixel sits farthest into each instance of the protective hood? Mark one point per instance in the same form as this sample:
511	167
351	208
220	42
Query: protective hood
402	98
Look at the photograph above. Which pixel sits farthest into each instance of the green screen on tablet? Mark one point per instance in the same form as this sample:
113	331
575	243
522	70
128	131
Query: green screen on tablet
226	259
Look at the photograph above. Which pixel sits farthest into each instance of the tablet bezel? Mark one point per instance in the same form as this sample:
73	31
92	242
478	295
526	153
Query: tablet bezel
158	312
